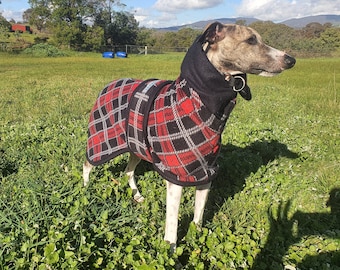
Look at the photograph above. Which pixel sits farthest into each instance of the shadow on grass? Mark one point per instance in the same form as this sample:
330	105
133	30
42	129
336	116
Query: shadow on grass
283	235
236	164
7	165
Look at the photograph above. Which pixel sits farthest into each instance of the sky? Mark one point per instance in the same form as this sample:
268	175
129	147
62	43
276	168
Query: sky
165	13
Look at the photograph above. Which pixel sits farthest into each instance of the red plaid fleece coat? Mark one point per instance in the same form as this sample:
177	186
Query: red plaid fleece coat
162	122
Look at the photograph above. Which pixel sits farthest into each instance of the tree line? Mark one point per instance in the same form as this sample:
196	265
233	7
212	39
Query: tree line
89	25
314	39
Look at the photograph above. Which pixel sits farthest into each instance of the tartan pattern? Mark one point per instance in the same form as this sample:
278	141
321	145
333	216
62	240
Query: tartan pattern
138	110
166	124
107	123
184	136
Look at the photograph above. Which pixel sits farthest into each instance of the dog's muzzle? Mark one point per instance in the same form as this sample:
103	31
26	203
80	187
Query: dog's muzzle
289	61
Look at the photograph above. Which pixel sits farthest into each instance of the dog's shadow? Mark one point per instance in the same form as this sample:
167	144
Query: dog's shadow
281	236
236	164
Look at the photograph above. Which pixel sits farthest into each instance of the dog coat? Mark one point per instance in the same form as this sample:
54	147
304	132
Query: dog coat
175	125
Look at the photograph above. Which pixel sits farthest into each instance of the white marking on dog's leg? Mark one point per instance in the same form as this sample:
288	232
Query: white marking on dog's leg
130	171
87	167
173	199
200	201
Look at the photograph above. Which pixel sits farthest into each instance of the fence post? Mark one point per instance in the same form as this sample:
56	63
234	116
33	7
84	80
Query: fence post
146	50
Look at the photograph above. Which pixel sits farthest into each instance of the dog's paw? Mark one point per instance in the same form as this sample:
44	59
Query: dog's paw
172	248
138	198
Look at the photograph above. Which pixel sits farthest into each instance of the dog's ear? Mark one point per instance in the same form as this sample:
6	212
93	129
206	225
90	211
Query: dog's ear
213	33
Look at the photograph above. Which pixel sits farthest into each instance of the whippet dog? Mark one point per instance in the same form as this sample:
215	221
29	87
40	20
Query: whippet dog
177	125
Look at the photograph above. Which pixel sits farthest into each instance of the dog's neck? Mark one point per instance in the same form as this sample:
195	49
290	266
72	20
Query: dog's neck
213	88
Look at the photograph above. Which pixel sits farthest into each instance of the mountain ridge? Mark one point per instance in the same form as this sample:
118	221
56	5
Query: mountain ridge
294	22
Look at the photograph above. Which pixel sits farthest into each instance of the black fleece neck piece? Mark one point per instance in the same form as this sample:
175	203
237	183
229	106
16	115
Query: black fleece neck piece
214	91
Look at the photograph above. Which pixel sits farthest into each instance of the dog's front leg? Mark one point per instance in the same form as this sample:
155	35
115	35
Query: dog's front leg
173	199
200	201
87	167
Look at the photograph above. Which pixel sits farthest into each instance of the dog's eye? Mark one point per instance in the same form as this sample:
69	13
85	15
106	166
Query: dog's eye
252	40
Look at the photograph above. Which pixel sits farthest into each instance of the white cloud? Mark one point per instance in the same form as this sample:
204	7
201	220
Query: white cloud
278	10
141	15
151	18
183	5
9	15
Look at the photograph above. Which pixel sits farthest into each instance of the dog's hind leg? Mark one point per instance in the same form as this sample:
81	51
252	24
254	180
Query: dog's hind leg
200	201
130	171
87	167
173	198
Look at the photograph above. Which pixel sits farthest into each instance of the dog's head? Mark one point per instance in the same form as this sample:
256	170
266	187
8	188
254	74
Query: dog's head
234	48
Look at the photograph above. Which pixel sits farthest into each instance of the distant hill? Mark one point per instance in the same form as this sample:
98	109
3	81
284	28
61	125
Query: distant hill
302	22
295	23
202	24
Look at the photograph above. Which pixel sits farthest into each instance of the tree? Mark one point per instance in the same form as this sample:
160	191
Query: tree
65	19
314	29
331	36
39	14
146	37
241	22
93	38
186	36
122	30
279	36
26	15
74	23
4	23
68	34
4	29
103	11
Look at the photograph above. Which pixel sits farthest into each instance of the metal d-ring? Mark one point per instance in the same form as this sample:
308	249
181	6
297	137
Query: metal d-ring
243	86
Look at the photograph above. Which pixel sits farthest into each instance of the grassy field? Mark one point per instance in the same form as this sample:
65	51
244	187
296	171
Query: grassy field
275	204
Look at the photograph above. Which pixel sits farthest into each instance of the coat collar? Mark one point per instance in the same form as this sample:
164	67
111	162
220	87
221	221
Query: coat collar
213	88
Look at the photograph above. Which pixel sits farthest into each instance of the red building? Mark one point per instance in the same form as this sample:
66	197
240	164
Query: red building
21	28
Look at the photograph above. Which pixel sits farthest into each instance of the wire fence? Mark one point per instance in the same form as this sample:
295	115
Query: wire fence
134	49
13	46
128	49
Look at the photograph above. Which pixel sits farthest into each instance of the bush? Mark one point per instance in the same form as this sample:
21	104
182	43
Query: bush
44	50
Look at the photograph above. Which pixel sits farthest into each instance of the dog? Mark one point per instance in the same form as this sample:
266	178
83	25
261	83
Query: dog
177	125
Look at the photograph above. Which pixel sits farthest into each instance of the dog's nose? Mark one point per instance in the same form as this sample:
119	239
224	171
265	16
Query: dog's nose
289	61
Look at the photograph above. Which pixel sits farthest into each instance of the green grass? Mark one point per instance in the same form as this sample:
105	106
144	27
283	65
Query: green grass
269	206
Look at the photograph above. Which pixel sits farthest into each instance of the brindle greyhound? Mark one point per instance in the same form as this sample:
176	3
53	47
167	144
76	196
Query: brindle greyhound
222	54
